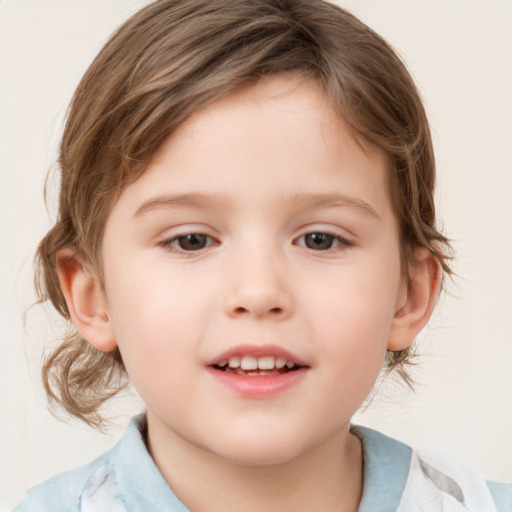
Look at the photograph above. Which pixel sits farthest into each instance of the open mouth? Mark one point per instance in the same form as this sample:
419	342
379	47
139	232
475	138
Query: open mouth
254	366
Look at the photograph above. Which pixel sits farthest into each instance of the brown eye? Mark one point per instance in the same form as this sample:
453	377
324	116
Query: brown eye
319	241
188	243
192	242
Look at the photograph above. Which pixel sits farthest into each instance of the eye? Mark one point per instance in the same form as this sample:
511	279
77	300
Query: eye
189	242
322	241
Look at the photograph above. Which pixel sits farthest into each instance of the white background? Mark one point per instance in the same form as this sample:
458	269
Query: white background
459	51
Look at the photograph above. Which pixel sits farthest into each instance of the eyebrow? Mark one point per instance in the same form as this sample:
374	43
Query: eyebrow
314	201
303	201
192	200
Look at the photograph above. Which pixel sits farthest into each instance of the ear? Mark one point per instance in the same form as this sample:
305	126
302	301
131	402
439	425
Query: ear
85	299
417	300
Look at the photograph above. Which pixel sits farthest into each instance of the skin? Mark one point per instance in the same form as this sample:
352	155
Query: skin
273	164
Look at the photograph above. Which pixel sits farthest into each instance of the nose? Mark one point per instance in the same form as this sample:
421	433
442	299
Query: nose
258	287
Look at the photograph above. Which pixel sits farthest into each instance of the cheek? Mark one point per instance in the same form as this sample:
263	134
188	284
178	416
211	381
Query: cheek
152	320
352	323
355	334
150	300
352	355
358	308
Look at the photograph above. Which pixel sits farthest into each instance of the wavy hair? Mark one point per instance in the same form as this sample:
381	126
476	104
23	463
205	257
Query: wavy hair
173	58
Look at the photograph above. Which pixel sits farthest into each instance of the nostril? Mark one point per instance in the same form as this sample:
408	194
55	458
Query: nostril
257	305
273	311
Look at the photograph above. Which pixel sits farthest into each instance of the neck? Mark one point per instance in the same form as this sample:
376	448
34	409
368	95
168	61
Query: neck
328	477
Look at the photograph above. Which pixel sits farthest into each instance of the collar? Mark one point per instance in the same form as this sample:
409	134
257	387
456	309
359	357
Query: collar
141	487
386	470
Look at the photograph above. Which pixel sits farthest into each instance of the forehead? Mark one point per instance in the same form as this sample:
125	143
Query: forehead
278	138
289	102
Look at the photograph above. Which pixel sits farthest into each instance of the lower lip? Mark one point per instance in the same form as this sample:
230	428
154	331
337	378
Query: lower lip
259	386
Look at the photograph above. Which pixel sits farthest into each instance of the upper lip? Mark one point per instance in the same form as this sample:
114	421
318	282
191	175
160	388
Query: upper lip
256	351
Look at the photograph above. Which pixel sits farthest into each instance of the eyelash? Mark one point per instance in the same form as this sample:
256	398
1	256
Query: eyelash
171	243
341	241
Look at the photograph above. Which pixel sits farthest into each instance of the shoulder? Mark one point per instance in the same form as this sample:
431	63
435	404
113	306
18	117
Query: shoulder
61	493
455	487
502	495
94	483
124	478
410	480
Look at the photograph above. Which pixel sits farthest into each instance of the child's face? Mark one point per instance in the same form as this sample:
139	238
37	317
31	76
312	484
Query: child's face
293	253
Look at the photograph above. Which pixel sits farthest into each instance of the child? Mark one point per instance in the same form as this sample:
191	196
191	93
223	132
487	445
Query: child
247	230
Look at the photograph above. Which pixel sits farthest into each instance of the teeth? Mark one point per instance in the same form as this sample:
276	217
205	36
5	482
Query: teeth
280	362
240	364
239	371
249	363
266	363
234	362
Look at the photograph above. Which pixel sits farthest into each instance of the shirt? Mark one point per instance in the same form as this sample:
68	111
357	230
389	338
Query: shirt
396	479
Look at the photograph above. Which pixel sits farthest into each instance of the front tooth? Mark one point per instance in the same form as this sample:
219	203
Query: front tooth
280	362
249	363
266	363
234	362
290	364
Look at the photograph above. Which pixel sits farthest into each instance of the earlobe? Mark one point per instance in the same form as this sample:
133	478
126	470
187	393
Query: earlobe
418	302
85	300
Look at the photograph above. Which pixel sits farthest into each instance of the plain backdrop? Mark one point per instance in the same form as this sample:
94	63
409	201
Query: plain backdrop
460	53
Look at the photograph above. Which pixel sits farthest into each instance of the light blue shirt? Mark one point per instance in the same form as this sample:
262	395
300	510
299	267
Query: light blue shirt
125	479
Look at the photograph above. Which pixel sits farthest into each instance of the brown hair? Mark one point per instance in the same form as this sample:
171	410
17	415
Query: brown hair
171	59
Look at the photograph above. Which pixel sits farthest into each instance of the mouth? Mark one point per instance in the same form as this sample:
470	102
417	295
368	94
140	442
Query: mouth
250	365
258	371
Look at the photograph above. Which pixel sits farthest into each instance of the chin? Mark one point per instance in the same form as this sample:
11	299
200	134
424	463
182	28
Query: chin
260	452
